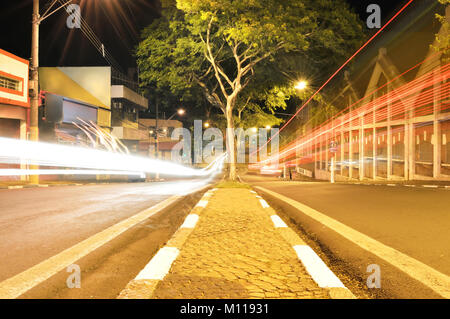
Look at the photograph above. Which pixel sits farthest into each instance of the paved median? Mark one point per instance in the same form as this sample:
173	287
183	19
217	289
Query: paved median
233	245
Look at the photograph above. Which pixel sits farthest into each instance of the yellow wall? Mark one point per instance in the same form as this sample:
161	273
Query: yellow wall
86	84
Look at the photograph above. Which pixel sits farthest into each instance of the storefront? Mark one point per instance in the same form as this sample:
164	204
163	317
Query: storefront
14	101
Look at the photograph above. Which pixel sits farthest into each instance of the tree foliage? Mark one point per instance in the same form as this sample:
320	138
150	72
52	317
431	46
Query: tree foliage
239	53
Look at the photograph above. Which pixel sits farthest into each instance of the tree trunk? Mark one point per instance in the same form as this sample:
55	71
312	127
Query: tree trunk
230	141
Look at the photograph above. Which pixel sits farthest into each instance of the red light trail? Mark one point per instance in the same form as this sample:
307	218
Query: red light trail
416	98
337	71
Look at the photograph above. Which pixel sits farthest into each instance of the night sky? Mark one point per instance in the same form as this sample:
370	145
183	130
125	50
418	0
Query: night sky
116	22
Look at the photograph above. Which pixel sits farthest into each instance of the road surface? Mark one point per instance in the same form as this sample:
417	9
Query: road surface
38	223
414	221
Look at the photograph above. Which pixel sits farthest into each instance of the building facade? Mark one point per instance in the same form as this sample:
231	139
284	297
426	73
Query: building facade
14	100
162	147
395	123
75	96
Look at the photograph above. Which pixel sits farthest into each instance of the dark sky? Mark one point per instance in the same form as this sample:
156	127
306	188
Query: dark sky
115	22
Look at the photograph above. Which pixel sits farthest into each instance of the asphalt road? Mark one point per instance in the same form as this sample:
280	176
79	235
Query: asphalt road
414	221
38	223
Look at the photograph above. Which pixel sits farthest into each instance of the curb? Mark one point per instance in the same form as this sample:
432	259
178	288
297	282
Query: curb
145	283
316	268
397	185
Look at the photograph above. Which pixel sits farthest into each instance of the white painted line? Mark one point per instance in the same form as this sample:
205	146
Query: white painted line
447	187
278	222
15	187
430	277
391	184
42	185
257	196
264	203
321	274
253	192
202	203
431	186
15	286
159	265
410	185
190	221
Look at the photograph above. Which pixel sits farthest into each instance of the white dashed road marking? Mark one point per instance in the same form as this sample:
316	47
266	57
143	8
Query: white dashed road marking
190	221
264	203
278	222
321	274
159	265
202	203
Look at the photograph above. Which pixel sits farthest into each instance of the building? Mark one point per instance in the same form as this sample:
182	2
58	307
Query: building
126	105
165	145
14	99
396	123
74	96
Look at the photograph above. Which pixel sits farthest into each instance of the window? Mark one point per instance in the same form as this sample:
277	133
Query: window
10	84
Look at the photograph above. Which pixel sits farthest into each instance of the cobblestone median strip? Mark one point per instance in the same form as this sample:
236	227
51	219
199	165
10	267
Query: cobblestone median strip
146	281
235	251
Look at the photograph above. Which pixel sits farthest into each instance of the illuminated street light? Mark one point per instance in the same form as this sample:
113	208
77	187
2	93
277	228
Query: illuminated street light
179	112
268	127
254	130
301	85
206	125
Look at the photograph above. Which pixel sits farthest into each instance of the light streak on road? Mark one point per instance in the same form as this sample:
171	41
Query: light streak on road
416	96
24	172
337	71
13	151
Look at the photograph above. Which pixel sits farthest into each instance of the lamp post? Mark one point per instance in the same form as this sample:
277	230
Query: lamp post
179	112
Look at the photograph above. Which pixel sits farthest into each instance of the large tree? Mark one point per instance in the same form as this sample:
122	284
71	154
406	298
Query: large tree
221	46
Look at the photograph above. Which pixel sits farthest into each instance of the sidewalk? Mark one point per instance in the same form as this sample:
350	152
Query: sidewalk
232	245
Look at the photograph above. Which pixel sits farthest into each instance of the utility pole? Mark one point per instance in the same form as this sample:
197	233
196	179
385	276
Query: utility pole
156	138
34	82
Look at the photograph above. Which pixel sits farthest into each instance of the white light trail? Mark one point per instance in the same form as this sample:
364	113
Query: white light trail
23	172
13	151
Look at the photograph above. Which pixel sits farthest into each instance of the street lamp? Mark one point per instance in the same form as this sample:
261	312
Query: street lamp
301	85
179	112
206	125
